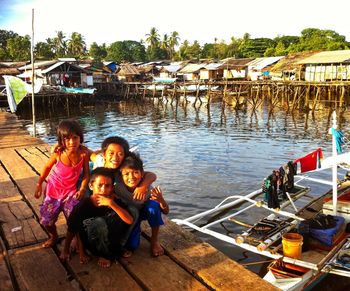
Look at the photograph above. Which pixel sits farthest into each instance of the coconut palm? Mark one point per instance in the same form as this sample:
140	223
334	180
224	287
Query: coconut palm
153	38
173	42
165	46
60	45
76	45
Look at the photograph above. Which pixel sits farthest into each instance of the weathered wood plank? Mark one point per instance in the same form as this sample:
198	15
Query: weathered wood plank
26	179
159	273
204	261
5	278
8	191
34	157
93	277
37	268
19	225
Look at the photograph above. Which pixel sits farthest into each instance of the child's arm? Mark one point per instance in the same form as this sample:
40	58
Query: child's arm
157	195
141	190
123	213
45	172
80	193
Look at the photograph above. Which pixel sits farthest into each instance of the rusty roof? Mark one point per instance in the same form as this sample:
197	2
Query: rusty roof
328	57
127	70
290	62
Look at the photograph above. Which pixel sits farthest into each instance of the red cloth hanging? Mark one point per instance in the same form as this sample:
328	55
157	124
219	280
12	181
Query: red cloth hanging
310	162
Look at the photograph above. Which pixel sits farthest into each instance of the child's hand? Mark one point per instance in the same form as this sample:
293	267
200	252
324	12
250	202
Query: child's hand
157	195
104	201
38	190
80	194
140	193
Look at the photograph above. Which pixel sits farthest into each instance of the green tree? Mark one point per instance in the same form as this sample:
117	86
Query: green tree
253	48
18	48
194	51
76	45
43	51
4	36
126	51
98	53
183	51
317	39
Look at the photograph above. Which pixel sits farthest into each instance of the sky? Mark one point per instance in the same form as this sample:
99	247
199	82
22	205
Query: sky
107	21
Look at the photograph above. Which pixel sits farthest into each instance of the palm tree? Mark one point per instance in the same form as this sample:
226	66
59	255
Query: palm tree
173	42
60	45
165	45
76	45
153	38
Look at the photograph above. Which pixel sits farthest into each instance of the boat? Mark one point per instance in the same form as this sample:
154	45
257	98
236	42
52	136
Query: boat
78	90
300	251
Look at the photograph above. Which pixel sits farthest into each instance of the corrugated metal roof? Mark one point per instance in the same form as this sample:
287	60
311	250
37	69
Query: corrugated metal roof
260	63
328	57
290	62
192	68
172	68
52	67
213	66
38	65
232	62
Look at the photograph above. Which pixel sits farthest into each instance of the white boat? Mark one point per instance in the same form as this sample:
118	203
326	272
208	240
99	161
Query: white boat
164	80
269	235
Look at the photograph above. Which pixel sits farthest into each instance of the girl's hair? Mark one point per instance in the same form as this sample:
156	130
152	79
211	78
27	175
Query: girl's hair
116	140
132	161
67	128
101	171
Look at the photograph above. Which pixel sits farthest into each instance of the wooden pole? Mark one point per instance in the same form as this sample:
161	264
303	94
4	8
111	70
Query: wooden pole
32	60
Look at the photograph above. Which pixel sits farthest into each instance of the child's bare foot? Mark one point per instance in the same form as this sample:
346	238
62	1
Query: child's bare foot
104	263
84	259
64	257
157	249
50	242
74	245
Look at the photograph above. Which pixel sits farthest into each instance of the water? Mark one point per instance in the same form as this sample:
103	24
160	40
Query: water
202	155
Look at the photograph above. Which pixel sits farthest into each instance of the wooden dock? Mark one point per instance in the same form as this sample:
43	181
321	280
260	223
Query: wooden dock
189	263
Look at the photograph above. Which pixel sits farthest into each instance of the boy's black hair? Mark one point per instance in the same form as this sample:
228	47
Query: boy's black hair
67	128
115	140
133	161
101	171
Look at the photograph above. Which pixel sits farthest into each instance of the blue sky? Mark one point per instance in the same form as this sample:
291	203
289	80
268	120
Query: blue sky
106	21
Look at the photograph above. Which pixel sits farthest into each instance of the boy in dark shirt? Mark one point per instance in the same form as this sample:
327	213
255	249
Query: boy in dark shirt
101	221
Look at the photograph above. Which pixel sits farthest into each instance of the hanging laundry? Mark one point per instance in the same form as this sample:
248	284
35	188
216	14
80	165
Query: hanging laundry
311	161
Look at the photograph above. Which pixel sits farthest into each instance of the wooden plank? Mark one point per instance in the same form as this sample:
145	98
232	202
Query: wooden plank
8	191
19	225
5	278
34	157
26	179
93	277
159	273
37	268
205	262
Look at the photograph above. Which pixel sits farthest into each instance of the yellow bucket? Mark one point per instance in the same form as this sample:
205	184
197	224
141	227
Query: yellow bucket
292	244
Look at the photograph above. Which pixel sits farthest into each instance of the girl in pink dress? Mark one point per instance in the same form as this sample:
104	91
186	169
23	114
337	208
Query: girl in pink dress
63	170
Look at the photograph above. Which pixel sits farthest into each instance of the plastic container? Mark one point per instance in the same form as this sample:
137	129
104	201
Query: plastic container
292	244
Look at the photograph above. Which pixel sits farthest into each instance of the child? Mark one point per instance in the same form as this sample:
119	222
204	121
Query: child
114	149
132	174
61	193
101	221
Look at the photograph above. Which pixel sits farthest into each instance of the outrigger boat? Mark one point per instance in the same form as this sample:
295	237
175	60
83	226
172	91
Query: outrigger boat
291	223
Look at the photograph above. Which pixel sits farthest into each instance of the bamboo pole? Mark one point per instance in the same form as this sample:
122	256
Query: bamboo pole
32	60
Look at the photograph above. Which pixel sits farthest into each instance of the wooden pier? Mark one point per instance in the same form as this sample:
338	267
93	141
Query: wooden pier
189	264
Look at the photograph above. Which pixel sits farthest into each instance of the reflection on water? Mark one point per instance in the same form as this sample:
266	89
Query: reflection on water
201	155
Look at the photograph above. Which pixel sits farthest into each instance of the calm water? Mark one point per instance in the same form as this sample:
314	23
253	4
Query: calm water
202	155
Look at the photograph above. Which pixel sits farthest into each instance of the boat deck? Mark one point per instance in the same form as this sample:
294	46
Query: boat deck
189	263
